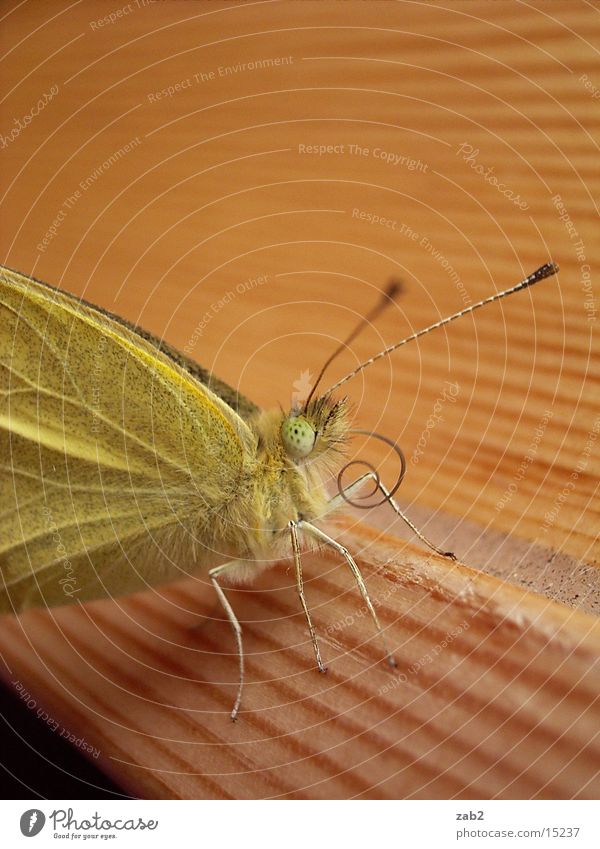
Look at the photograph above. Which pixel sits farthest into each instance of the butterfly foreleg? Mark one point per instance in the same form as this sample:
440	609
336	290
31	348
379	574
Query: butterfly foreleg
320	535
413	527
338	501
300	585
343	497
237	628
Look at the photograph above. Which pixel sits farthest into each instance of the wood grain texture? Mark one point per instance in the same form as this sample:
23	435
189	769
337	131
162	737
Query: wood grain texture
495	694
174	180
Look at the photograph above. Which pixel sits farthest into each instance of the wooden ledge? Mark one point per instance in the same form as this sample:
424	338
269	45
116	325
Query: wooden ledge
495	693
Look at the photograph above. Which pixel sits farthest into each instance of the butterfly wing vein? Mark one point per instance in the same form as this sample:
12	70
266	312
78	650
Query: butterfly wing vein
113	457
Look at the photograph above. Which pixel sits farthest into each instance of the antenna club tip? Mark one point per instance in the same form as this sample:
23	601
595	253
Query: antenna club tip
394	288
546	270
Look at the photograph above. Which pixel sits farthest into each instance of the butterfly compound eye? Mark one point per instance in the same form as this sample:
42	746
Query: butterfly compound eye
298	437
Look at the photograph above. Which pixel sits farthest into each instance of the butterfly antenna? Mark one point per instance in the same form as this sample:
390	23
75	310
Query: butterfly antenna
544	271
392	291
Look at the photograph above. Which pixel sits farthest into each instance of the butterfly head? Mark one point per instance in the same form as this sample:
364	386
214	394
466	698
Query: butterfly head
317	428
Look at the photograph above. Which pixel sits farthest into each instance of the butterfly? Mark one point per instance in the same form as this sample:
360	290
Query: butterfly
125	464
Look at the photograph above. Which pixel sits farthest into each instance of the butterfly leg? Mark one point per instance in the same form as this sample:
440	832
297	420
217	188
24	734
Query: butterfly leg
414	529
338	501
317	533
237	628
300	584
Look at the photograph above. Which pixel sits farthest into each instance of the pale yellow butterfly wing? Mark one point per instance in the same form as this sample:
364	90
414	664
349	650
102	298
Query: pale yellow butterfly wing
232	397
115	464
